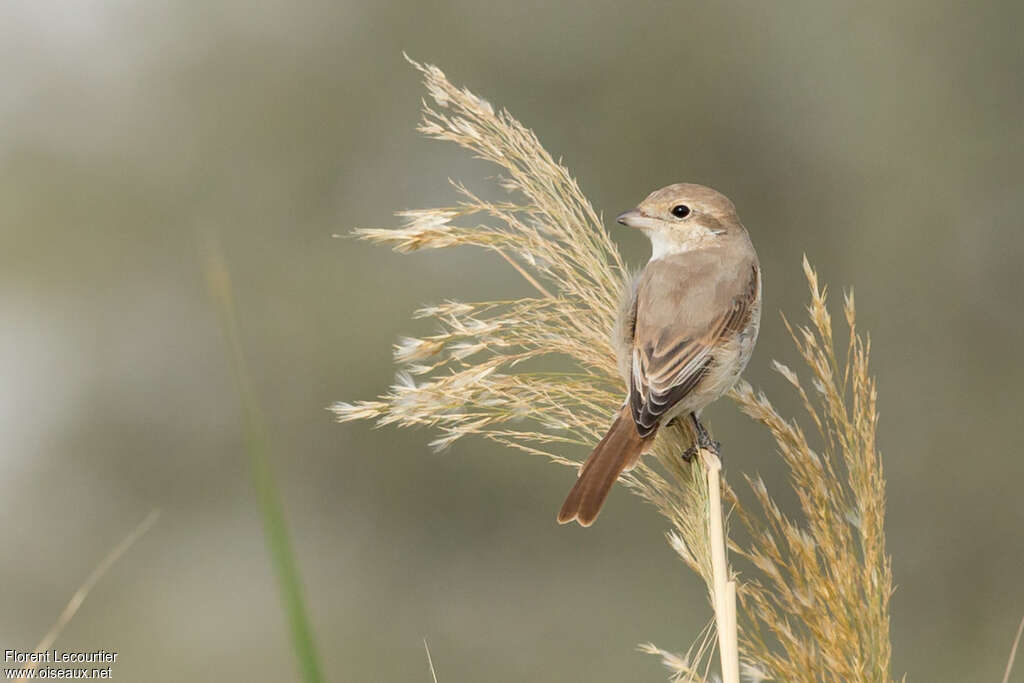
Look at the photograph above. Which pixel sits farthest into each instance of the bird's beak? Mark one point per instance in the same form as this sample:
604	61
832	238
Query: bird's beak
635	218
630	219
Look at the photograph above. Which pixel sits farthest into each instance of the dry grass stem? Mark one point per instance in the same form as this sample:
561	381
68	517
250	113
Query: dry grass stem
101	569
814	593
430	661
723	588
1013	652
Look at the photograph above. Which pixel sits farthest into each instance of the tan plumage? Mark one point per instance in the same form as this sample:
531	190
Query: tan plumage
686	335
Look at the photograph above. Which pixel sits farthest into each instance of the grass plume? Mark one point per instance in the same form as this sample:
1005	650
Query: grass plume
826	579
814	594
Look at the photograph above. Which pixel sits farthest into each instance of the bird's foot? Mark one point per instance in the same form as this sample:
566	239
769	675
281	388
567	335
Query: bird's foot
709	444
704	441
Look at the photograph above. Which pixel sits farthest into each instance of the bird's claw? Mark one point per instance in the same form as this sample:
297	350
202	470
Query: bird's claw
704	441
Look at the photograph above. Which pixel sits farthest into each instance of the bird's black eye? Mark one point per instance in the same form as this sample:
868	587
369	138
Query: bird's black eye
680	211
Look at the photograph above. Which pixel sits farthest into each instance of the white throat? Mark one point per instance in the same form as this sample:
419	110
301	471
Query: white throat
664	245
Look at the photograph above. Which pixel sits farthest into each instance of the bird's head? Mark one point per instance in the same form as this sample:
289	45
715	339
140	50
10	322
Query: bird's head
682	217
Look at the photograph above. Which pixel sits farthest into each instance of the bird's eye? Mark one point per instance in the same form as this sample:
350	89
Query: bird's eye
680	211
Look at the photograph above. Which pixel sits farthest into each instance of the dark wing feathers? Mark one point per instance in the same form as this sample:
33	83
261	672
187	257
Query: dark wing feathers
649	407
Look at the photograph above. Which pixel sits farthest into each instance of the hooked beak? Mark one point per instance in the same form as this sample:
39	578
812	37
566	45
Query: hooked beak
629	218
635	218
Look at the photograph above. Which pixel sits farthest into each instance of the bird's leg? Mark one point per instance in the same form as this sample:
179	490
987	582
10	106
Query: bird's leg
704	441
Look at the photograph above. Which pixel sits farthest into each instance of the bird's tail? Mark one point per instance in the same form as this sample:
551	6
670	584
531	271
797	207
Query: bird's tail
617	452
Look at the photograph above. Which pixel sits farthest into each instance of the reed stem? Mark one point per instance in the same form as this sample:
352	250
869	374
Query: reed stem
724	590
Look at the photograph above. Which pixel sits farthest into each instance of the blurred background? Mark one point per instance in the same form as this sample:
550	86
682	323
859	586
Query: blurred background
883	140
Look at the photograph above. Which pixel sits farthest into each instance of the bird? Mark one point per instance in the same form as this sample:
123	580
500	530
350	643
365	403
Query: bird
685	331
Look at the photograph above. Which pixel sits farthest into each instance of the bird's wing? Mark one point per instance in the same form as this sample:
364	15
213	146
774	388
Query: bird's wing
679	324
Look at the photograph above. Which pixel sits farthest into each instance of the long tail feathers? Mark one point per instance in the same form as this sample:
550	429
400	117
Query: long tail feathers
617	452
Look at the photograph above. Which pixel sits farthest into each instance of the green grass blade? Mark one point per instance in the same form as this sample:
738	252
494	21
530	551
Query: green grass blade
257	446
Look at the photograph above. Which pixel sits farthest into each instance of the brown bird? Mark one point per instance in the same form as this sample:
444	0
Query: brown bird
685	331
